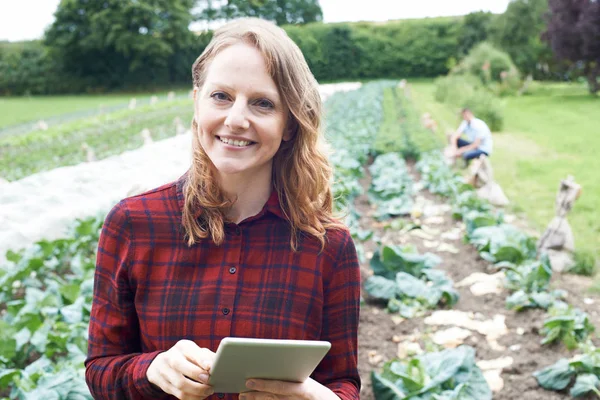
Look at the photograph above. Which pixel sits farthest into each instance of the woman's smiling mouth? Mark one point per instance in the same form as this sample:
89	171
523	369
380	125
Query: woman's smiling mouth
236	143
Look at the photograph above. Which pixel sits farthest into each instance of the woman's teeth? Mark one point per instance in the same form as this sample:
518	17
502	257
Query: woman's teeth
238	143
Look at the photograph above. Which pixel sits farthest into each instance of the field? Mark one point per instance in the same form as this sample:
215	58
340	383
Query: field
548	135
456	301
57	109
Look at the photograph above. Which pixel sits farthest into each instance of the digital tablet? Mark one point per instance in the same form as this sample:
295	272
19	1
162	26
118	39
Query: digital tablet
239	359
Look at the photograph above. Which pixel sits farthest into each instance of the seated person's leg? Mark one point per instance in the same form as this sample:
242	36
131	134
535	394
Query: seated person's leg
472	154
462	142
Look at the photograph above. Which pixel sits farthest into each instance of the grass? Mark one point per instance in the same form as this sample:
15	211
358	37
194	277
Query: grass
548	135
17	110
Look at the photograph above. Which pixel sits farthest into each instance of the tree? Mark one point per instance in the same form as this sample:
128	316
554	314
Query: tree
518	32
574	36
121	42
280	11
475	30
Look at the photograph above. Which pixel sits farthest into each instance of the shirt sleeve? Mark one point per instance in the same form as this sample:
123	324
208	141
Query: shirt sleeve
462	127
115	366
339	369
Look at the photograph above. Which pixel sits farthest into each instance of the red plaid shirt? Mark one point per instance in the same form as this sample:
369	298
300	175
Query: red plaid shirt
152	290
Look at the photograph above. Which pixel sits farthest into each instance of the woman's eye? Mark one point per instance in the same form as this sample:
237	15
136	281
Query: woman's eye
264	103
219	96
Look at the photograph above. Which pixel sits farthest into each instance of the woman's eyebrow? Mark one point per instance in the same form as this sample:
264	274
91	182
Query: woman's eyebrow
270	94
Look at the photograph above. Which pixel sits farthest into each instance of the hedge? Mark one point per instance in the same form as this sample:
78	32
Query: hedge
345	51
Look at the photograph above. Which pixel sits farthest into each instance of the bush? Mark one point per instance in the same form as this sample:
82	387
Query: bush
466	91
453	87
493	67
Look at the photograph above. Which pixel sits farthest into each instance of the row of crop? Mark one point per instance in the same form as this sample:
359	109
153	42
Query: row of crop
352	123
409	284
527	273
402	130
106	135
45	302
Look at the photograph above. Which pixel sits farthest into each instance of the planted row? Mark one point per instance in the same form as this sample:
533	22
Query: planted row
528	276
107	134
45	298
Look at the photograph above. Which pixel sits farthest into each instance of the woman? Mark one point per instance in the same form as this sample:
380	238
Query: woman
244	244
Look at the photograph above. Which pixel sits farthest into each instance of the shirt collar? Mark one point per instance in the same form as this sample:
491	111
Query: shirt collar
272	205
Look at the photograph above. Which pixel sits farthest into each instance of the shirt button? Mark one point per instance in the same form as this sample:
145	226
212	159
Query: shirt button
232	270
226	311
220	395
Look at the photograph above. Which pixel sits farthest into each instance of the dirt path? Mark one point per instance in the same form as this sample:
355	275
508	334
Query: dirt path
378	330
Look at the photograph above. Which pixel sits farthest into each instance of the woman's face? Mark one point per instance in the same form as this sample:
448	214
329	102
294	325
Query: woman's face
240	114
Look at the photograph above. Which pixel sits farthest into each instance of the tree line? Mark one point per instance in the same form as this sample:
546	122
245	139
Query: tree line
142	44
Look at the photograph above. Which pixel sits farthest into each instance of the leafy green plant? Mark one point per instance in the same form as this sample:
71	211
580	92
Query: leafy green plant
406	280
503	243
468	201
446	375
47	290
566	324
529	282
583	370
474	219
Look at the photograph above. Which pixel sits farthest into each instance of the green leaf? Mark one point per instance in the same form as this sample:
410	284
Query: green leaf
410	286
380	287
542	299
413	375
510	254
8	348
7	376
443	365
585	384
476	388
70	292
22	337
384	389
552	335
555	377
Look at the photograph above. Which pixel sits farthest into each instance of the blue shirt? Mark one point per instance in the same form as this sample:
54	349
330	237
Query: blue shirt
478	129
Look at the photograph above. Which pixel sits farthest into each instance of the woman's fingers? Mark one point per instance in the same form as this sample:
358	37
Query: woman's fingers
187	368
184	388
200	356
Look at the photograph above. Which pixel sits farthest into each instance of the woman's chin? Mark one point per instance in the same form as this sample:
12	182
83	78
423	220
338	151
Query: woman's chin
229	169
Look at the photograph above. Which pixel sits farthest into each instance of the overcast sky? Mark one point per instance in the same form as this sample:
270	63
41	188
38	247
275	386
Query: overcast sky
27	19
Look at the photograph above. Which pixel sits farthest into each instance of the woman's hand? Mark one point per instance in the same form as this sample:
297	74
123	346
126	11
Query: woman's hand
281	390
183	371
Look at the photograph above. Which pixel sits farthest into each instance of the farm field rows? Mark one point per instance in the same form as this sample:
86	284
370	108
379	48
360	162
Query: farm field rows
419	230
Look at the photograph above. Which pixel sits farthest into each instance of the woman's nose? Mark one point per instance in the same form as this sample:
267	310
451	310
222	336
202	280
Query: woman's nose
236	119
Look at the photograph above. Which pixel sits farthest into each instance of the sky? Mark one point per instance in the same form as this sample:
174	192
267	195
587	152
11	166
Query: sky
27	19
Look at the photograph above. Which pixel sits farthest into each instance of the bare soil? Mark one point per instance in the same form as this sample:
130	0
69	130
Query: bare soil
377	328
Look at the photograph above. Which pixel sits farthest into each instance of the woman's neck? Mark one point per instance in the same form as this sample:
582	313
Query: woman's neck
250	194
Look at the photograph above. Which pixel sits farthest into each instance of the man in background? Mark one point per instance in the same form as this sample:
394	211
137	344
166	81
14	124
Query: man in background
478	138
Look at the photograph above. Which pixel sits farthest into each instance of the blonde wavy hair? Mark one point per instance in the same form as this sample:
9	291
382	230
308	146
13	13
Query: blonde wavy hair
301	170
